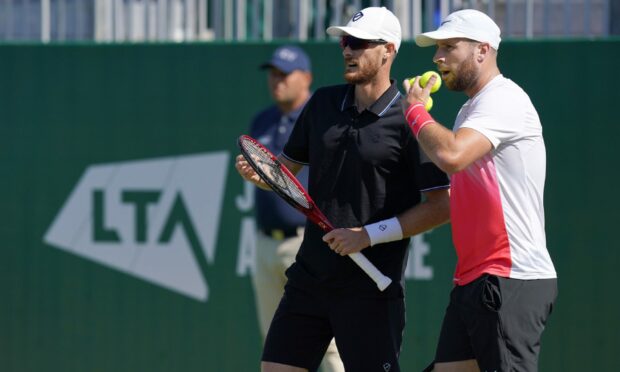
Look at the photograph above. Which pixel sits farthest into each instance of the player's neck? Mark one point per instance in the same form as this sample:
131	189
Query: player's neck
484	78
368	93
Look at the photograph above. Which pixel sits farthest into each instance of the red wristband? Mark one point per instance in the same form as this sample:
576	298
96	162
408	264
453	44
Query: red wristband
418	118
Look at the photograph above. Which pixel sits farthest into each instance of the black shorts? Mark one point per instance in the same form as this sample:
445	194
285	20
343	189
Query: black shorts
497	321
368	331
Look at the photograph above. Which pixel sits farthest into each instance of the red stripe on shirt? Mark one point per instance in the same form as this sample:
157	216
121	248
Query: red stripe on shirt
478	226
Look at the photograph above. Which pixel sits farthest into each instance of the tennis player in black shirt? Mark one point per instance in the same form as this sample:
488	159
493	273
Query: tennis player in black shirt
366	169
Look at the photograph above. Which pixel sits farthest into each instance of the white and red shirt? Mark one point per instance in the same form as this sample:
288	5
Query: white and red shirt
497	213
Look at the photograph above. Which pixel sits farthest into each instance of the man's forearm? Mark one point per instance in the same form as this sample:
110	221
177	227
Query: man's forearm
427	215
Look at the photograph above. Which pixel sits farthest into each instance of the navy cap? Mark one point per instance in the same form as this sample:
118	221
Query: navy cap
287	59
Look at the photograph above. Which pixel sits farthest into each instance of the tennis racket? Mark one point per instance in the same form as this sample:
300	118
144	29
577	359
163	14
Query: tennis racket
284	183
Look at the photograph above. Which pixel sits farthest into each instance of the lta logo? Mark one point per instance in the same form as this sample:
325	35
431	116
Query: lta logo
154	219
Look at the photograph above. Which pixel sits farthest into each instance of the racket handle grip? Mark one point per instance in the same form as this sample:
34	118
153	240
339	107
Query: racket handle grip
382	281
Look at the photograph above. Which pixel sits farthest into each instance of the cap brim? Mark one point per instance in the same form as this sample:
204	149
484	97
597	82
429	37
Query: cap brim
285	69
355	32
430	38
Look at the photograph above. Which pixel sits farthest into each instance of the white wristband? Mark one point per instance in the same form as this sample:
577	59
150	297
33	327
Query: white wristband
384	231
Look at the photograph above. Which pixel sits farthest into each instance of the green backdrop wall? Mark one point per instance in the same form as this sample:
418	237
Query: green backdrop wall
70	113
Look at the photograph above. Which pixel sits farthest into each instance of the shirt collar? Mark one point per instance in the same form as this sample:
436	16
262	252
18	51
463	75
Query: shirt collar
293	115
380	106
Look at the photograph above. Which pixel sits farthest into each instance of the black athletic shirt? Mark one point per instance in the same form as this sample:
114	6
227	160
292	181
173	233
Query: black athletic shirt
364	167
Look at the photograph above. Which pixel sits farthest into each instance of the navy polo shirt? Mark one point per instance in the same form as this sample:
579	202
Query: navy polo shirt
364	167
272	128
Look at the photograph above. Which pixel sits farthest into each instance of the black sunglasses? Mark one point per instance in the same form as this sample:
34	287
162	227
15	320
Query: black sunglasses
357	44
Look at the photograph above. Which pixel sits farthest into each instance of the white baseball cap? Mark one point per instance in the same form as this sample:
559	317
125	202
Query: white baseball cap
468	23
371	23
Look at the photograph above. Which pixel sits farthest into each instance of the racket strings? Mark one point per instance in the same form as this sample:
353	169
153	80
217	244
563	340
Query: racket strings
273	172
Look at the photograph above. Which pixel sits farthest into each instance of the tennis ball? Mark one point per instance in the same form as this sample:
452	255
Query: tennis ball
426	77
429	104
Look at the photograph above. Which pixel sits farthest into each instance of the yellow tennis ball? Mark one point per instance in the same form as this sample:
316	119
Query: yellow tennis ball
429	104
426	77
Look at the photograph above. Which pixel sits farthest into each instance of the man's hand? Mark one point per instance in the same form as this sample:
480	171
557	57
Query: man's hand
415	93
248	173
347	241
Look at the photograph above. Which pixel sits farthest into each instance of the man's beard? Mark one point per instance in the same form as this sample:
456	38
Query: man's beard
465	77
364	74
